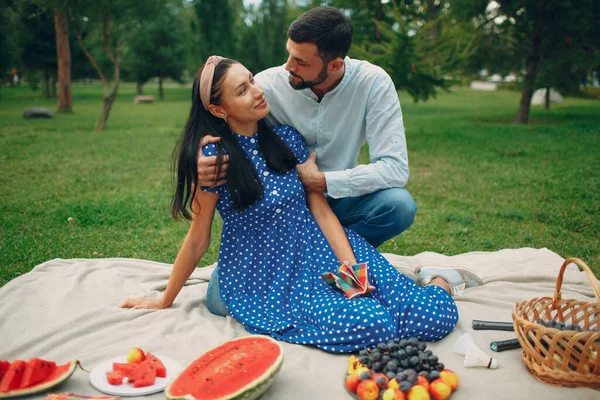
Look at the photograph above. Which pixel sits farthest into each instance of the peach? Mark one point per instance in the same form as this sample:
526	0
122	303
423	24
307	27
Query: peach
352	382
367	390
422	381
450	378
393	394
136	355
439	389
393	384
417	393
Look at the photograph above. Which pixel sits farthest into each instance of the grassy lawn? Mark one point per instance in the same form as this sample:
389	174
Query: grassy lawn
481	182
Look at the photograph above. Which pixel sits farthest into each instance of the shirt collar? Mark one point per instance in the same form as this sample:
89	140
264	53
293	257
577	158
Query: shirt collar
348	71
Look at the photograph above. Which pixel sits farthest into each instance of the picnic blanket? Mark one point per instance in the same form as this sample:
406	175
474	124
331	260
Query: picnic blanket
67	309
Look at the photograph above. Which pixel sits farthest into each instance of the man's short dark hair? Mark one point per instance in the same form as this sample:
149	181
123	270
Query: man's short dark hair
326	27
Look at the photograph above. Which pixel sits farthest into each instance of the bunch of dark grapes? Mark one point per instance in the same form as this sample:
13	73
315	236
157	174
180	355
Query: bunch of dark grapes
404	360
561	326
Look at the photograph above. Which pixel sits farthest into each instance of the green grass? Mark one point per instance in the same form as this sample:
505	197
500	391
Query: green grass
481	182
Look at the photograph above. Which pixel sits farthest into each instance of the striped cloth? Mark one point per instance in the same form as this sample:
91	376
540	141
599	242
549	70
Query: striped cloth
351	279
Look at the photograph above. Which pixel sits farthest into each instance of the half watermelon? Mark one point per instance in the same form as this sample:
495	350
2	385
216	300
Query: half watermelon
242	368
35	376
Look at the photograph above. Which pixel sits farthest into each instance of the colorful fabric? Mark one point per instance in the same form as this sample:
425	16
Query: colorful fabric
271	259
352	280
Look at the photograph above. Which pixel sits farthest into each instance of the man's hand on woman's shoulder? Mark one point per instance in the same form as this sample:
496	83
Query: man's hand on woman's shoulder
207	165
310	176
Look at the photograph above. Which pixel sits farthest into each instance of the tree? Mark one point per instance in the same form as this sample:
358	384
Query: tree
6	53
159	49
547	36
262	33
35	31
214	25
63	56
405	37
110	21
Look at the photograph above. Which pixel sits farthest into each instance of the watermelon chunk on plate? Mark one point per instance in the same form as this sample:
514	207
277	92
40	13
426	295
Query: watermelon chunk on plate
115	377
36	371
143	375
161	371
125	368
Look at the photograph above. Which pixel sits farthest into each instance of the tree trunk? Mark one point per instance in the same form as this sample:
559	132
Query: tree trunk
63	57
533	60
139	88
547	99
378	19
115	58
433	12
108	102
46	83
161	93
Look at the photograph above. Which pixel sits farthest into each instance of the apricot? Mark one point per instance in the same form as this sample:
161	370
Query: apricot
439	389
393	384
136	355
393	394
352	382
367	390
422	381
450	378
417	393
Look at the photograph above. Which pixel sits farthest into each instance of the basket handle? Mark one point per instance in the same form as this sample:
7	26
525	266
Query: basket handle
559	280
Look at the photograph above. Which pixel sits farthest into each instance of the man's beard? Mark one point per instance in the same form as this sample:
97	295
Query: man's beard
302	84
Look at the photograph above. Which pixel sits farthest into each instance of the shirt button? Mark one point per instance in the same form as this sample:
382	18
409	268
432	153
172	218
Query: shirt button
252	140
339	193
274	192
320	130
278	211
266	173
255	152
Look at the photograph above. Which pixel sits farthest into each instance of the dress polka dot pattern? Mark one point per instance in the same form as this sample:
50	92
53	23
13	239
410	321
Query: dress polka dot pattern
270	263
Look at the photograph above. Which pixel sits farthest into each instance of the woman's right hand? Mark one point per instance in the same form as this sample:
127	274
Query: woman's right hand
207	166
139	303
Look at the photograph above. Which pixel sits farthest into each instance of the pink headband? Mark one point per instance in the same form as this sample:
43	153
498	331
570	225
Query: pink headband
206	79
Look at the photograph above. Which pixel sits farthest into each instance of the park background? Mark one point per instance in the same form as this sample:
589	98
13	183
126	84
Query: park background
489	170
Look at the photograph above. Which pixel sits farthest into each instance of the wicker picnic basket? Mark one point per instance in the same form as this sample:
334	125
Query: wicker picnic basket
561	357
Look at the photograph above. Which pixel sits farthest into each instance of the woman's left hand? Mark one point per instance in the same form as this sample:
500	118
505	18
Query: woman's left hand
142	303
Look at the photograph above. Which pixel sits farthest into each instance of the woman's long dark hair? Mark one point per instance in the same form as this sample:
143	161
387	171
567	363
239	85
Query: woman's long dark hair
243	182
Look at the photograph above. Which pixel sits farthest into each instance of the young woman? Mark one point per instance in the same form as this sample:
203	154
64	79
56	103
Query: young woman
277	240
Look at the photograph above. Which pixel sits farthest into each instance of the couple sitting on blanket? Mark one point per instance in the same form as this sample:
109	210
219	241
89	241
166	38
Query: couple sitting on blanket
285	222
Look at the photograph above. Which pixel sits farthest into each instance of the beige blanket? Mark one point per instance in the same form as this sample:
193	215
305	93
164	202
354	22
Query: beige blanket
67	309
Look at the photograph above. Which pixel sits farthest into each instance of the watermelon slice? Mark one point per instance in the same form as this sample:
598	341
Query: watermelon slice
242	368
144	374
13	377
161	371
36	371
11	382
4	366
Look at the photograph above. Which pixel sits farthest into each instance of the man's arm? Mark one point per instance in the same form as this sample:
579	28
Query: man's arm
388	155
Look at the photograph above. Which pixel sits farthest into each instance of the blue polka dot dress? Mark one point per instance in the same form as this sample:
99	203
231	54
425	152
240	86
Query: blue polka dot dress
270	263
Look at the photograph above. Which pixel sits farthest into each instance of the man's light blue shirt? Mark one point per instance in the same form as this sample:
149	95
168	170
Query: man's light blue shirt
364	107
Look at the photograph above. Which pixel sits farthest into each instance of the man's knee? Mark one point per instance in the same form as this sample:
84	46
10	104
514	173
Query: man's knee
398	207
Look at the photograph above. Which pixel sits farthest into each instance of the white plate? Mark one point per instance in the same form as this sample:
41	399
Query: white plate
98	378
